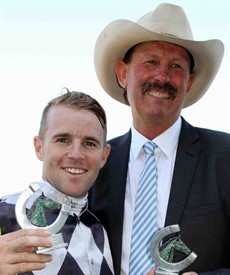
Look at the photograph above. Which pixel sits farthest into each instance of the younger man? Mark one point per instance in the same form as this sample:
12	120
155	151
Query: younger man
72	145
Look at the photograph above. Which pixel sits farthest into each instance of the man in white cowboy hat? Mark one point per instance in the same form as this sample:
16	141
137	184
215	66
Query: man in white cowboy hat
156	67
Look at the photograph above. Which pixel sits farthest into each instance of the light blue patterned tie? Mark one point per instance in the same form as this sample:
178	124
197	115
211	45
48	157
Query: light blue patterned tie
145	215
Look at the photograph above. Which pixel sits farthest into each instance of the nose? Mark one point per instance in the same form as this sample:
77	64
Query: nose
162	73
75	151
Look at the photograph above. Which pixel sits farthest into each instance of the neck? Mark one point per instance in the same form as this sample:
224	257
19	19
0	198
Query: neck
153	128
77	204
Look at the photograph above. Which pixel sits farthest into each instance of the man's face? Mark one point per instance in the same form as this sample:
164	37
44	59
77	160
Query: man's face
72	150
168	66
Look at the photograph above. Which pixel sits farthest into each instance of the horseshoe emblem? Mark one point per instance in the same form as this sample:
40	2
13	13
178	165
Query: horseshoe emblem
23	221
165	267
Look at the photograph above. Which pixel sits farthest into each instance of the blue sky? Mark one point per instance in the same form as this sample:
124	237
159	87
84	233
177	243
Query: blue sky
47	45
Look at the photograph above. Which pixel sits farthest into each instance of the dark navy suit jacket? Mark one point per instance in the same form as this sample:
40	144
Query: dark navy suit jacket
199	199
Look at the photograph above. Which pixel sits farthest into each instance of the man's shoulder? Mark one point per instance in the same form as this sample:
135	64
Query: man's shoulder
211	143
10	198
206	134
213	136
121	140
120	137
8	221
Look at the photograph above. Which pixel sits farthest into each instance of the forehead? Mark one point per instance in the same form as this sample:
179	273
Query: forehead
66	119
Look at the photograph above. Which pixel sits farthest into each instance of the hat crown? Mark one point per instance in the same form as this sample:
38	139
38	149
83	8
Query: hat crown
169	20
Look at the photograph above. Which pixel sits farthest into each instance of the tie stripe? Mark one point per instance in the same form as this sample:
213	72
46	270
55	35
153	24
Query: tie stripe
145	215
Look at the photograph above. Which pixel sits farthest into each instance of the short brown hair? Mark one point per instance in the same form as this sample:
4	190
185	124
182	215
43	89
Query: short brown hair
75	100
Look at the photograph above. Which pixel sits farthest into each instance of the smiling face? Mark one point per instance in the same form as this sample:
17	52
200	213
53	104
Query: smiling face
72	150
157	80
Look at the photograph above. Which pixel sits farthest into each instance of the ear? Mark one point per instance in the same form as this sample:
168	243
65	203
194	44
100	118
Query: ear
106	153
38	147
120	70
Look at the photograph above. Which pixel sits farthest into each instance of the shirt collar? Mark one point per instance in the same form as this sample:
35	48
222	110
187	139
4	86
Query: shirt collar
167	141
77	204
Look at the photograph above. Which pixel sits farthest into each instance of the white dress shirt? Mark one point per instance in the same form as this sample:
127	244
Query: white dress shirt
165	158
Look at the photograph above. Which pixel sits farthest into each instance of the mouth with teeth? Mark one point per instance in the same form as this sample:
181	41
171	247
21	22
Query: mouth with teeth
74	171
155	89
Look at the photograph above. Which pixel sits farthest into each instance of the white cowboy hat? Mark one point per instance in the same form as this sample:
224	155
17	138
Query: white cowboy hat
167	23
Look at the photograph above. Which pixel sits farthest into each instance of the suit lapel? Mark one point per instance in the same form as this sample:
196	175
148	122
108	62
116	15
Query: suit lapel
187	156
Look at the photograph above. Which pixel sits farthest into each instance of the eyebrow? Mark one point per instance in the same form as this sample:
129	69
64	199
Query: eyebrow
60	135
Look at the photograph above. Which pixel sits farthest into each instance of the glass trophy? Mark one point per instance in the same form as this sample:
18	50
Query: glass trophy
162	255
37	219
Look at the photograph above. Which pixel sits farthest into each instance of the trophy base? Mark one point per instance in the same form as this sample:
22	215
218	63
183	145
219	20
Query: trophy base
164	272
57	241
45	250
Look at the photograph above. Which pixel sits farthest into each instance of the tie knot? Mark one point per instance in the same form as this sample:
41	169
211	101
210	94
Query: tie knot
149	147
